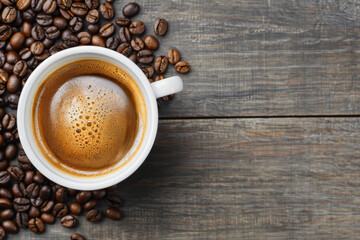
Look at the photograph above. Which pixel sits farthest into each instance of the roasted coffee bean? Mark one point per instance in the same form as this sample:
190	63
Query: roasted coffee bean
20	68
47	206
93	16
111	188
18	189
79	8
5	193
93	215
25	54
48	43
137	27
107	29
74	236
84	38
90	205
4	177
24	162
47	218
28	15
71	41
52	32
124	34
113	213
32	190
2	114
83	197
68	221
21	204
59	210
49	6
5	32
7	137
60	23
92	4
160	27
10	226
61	194
137	44
2	104
2	91
29	41
67	14
7	214
44	19
123	22
36	225
66	33
76	24
112	43
13	84
37	5
29	177
3	165
99	194
107	10
93	28
34	212
8	2
37	201
38	33
147	70
8	14
39	178
125	49
161	64
10	149
113	200
16	173
17	40
12	57
22	219
173	56
55	49
8	46
37	48
131	9
75	208
133	57
45	192
5	203
2	58
23	4
72	192
4	76
182	67
97	41
64	4
151	42
145	56
26	29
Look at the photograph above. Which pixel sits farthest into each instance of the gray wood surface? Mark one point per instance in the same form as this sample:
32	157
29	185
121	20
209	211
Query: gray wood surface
292	178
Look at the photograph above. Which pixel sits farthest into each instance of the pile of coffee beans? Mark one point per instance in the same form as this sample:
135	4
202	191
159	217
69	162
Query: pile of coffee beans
31	31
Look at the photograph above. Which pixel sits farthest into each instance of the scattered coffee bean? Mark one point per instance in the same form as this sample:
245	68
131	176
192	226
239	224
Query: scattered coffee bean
4	177
74	236
61	194
92	4
47	218
161	64
107	29
28	177
90	205
4	76
7	214
49	6
75	208
76	24
34	212
36	225
23	4
145	56
113	200
130	10
113	213
38	33
39	178
147	70
83	197
16	173
93	28
64	4
47	206
137	27
12	57
107	10
84	38
37	5
96	40
68	221
151	42
24	162
124	34
99	194
20	68
160	27
93	16
93	215
133	57
112	43
22	219
17	40
48	43
60	23
125	49
55	49
137	44
32	190
70	41
10	226
44	19
123	22
37	48
79	8
52	32
182	67
59	210
5	193
8	14
5	32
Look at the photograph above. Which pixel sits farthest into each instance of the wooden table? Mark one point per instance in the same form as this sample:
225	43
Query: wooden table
264	141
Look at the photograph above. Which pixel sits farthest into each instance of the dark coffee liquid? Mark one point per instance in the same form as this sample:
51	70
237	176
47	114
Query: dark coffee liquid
87	116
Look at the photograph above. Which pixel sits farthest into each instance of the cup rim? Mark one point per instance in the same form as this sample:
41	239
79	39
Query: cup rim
58	176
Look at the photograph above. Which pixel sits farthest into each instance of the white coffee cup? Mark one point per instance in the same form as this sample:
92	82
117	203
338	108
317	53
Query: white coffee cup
150	93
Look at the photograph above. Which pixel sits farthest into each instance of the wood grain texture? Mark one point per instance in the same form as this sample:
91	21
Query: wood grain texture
281	178
262	57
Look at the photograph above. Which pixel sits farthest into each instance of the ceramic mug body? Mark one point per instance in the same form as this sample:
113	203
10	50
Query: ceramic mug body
149	91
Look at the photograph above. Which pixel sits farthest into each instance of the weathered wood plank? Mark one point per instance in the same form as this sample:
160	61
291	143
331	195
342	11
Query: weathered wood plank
279	178
262	57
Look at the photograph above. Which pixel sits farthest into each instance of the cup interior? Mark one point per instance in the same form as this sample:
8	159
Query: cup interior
25	126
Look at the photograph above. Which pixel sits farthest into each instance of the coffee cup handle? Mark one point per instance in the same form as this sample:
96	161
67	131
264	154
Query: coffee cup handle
167	86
